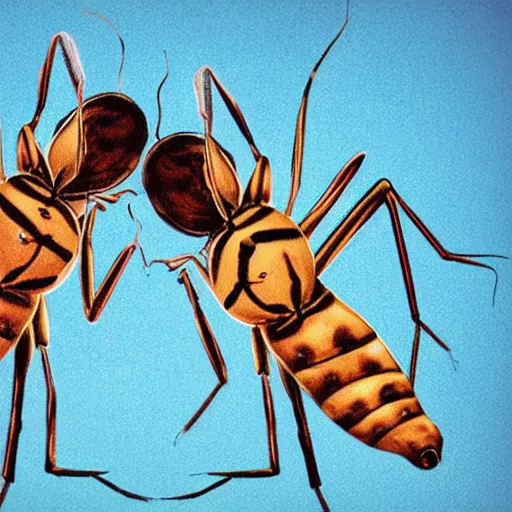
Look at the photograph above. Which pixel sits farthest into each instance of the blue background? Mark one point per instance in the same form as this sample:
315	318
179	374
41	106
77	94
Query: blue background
424	89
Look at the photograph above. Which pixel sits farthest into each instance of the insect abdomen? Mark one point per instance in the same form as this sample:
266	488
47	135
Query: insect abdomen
340	361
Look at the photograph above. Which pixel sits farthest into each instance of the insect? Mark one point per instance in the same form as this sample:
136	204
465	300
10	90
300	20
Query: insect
262	271
46	226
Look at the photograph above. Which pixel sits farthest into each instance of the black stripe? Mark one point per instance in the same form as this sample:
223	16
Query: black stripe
33	284
353	417
296	291
233	295
244	256
273	235
219	247
245	253
13	274
260	214
14	297
361	343
277	309
25	223
329	389
68	216
379	431
18	216
237	290
319	302
23	186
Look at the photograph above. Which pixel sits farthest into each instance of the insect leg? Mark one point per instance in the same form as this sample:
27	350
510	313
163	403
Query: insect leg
29	155
262	369
112	198
294	393
202	85
42	336
300	128
177	261
94	302
331	195
22	358
210	345
384	193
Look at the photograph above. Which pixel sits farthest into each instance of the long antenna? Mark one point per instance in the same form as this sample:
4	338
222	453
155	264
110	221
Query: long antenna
159	103
119	79
300	128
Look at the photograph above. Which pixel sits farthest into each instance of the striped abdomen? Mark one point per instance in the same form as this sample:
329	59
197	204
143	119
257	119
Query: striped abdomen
340	361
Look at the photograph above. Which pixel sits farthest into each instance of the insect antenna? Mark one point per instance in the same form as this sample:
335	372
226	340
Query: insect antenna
138	226
300	128
158	99
119	75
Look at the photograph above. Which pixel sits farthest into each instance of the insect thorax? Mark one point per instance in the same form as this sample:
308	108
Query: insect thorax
39	234
261	266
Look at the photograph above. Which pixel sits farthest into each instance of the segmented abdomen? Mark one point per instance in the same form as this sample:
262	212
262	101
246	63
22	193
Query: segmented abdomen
347	369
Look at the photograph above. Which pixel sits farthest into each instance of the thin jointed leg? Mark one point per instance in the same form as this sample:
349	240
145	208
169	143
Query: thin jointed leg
210	345
22	358
273	468
293	391
383	193
42	340
95	302
51	433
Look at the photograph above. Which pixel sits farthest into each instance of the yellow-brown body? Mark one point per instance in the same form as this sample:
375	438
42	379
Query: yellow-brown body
341	362
39	245
263	273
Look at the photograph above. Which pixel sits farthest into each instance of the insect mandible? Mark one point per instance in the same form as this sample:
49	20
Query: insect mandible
46	226
260	267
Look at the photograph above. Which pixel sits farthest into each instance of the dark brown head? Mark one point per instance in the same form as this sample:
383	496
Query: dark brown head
174	177
115	131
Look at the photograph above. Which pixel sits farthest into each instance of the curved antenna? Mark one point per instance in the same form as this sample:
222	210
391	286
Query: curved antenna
2	170
119	75
300	129
158	102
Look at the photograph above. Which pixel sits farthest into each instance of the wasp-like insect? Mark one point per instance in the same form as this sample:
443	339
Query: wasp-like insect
260	267
45	226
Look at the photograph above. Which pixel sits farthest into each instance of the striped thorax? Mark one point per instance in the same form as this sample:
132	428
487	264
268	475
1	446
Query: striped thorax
39	245
39	242
261	267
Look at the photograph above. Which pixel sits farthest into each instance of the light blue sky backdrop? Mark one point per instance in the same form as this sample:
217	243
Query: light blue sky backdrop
424	88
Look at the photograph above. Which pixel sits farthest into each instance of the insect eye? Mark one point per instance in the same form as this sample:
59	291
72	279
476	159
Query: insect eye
45	214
